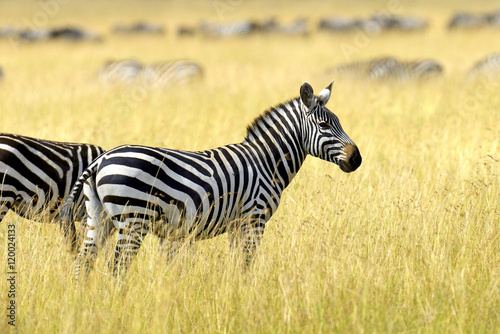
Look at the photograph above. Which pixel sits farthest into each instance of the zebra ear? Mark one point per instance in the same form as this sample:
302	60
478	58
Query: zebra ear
307	96
324	95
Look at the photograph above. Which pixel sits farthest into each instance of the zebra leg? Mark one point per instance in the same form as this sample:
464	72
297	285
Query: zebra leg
131	233
252	232
93	234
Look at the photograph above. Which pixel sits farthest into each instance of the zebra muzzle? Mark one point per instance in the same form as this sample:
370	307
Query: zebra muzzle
352	160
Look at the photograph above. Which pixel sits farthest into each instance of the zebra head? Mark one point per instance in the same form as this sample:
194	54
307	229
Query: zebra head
323	136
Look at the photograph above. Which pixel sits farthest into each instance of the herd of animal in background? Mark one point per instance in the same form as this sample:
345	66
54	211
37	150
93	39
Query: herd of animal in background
375	23
174	72
388	69
384	69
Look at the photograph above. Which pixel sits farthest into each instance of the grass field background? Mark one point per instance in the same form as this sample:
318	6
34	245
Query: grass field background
407	243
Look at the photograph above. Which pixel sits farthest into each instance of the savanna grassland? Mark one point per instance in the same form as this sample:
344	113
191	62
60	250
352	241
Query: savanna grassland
407	243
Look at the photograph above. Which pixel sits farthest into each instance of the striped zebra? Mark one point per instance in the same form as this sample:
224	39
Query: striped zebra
382	22
475	20
297	28
122	71
36	176
163	74
487	67
188	196
170	73
389	69
139	28
228	29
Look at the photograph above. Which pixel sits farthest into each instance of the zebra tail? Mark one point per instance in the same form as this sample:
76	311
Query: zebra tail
67	221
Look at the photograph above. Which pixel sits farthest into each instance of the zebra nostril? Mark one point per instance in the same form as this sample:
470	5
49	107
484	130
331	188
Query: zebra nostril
355	159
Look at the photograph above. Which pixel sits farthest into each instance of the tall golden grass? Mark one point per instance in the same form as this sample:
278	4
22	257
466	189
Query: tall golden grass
407	243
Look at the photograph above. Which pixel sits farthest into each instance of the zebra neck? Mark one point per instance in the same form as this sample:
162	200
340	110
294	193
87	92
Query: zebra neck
276	139
278	164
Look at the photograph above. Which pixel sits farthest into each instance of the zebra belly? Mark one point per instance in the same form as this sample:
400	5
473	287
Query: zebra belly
168	217
172	215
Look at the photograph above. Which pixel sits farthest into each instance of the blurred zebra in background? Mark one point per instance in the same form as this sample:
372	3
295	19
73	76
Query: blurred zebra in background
375	24
181	195
37	175
299	27
139	28
122	71
487	67
171	73
228	29
161	75
388	69
474	20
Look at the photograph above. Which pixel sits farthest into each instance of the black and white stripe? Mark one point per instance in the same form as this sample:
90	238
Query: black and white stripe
389	69
181	195
486	68
228	29
37	175
121	71
373	25
162	74
474	20
171	73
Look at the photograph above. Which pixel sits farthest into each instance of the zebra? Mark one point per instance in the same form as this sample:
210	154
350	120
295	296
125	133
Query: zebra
297	28
74	34
164	74
389	68
339	24
170	73
121	71
64	33
381	22
188	196
474	20
139	28
228	29
36	175
375	24
487	67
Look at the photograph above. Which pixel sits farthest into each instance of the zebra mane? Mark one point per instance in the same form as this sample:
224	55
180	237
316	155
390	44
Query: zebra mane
266	120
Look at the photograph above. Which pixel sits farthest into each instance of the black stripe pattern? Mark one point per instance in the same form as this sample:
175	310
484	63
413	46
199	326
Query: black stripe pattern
390	69
37	175
181	195
151	75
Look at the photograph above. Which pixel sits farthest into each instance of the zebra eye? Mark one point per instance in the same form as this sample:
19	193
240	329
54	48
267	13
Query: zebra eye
324	125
